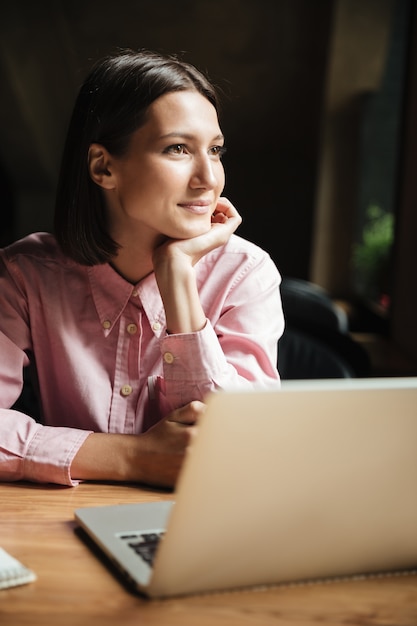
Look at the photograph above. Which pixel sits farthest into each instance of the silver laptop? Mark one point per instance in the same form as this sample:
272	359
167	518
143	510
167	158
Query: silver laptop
315	480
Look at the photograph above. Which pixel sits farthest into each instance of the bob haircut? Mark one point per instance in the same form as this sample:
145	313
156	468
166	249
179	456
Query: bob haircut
111	104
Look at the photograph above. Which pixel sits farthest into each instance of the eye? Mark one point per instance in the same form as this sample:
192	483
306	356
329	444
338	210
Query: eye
177	148
217	151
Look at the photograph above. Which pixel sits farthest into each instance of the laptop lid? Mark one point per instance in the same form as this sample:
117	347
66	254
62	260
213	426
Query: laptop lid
315	480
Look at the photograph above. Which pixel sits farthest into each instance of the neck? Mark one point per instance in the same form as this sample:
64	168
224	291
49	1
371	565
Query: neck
134	257
132	267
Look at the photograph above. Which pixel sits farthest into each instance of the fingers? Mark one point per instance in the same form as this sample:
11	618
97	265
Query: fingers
226	211
188	414
225	215
164	446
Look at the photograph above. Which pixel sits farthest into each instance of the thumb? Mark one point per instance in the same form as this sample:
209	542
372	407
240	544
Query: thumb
189	413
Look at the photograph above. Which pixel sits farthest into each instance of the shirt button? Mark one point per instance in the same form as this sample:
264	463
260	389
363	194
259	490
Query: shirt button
135	293
156	326
132	329
126	390
106	324
168	357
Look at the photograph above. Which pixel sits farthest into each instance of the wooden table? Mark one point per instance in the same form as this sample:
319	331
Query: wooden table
74	587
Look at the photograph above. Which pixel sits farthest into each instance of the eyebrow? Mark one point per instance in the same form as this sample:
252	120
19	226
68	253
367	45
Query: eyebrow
218	137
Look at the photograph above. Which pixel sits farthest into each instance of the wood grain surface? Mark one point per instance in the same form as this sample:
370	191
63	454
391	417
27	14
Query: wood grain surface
76	587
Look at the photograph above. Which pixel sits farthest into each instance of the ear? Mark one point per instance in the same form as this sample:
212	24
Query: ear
99	166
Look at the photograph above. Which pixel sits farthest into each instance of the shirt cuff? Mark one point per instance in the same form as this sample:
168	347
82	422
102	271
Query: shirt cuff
50	454
193	356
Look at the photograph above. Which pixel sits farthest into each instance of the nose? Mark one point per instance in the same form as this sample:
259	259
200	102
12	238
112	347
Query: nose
205	173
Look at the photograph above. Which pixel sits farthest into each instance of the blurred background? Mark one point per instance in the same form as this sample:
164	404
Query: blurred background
319	110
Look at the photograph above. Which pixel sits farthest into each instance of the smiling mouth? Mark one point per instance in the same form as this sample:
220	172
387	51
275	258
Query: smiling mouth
199	208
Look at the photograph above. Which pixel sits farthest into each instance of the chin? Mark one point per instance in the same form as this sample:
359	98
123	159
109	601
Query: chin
201	231
195	231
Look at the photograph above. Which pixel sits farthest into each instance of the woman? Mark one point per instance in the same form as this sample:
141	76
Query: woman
144	300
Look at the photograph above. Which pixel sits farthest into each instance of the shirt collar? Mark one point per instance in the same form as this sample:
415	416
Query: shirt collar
111	293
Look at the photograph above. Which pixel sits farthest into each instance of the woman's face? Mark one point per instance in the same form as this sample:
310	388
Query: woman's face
170	179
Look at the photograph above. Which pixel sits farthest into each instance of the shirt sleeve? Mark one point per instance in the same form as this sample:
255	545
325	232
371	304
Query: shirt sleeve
28	450
237	349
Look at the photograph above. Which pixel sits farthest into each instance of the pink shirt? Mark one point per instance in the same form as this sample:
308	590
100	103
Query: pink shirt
103	359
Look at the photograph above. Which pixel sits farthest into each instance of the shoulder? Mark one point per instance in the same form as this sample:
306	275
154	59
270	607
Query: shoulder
239	259
37	260
35	248
239	245
241	251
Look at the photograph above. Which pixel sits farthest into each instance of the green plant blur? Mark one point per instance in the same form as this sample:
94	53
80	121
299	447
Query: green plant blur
371	257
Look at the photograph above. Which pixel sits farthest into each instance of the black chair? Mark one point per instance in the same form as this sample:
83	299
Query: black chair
303	355
309	306
28	401
316	343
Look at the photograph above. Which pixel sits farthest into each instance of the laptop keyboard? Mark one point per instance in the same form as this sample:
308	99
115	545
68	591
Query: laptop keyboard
144	544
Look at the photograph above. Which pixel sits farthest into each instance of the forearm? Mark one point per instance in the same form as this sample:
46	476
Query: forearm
105	456
178	288
123	458
154	457
174	265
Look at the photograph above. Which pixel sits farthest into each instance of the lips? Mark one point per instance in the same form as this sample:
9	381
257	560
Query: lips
199	207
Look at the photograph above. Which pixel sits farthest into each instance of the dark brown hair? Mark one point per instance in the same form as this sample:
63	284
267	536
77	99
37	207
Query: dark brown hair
110	106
